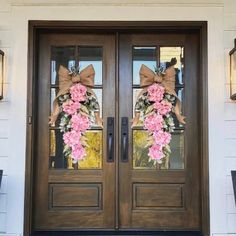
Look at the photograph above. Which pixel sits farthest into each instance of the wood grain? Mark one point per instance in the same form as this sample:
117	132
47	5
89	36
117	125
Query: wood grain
63	194
75	196
173	220
157	196
147	216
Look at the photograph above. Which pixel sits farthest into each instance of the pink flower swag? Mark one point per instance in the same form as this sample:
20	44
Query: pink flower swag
72	138
155	152
70	107
162	107
79	122
154	122
162	138
78	93
155	92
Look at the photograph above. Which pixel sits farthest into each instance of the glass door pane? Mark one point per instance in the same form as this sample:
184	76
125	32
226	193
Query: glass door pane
159	156
149	56
73	177
67	57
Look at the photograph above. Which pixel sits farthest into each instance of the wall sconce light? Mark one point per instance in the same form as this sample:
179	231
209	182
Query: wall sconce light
1	73
232	55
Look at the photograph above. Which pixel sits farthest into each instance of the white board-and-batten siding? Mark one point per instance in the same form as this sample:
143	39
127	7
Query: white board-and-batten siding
221	17
229	116
5	106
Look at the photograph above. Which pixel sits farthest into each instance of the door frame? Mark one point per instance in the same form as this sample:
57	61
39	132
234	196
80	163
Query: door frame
37	27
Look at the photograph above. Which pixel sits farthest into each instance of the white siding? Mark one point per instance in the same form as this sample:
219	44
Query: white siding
221	17
230	115
3	204
5	106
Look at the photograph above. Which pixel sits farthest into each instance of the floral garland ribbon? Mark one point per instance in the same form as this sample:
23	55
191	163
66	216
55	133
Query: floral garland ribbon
157	100
75	102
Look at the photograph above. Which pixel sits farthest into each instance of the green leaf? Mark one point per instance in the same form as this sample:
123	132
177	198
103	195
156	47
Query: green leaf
149	144
67	150
84	109
167	148
149	109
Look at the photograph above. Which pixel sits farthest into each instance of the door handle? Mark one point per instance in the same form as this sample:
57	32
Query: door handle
110	139
124	139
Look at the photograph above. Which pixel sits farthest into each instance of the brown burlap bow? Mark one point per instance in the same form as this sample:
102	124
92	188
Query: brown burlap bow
66	80
167	80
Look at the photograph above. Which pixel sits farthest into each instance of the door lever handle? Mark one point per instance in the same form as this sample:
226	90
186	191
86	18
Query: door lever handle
110	139
124	139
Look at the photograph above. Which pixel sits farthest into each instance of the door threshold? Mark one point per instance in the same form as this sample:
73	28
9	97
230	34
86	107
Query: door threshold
113	233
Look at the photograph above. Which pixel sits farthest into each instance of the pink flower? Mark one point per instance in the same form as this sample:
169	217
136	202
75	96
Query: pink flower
80	122
155	152
162	107
78	92
153	122
78	152
155	92
70	107
162	138
71	138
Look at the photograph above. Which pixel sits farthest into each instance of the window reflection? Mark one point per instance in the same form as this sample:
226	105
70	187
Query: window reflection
136	92
93	159
143	55
148	56
54	92
166	53
98	93
61	56
57	158
140	152
66	56
176	159
92	55
93	151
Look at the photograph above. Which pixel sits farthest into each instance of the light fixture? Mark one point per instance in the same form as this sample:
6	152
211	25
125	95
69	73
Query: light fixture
233	174
1	73
232	55
1	171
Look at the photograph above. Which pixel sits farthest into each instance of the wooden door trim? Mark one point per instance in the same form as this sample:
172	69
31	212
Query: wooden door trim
37	27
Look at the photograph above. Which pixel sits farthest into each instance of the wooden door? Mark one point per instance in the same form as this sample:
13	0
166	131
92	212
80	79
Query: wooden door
118	187
71	196
159	196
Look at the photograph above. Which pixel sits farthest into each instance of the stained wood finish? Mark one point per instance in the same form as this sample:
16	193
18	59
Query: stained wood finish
127	217
154	196
75	196
73	199
164	199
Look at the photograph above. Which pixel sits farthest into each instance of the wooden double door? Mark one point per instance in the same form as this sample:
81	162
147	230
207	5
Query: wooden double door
117	186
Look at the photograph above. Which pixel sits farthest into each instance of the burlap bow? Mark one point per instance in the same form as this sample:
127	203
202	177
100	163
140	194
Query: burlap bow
66	80
167	80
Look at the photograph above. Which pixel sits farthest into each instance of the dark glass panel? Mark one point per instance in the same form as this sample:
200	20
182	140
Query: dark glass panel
143	55
92	55
64	56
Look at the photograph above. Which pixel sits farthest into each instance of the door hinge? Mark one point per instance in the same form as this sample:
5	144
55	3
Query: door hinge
29	120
